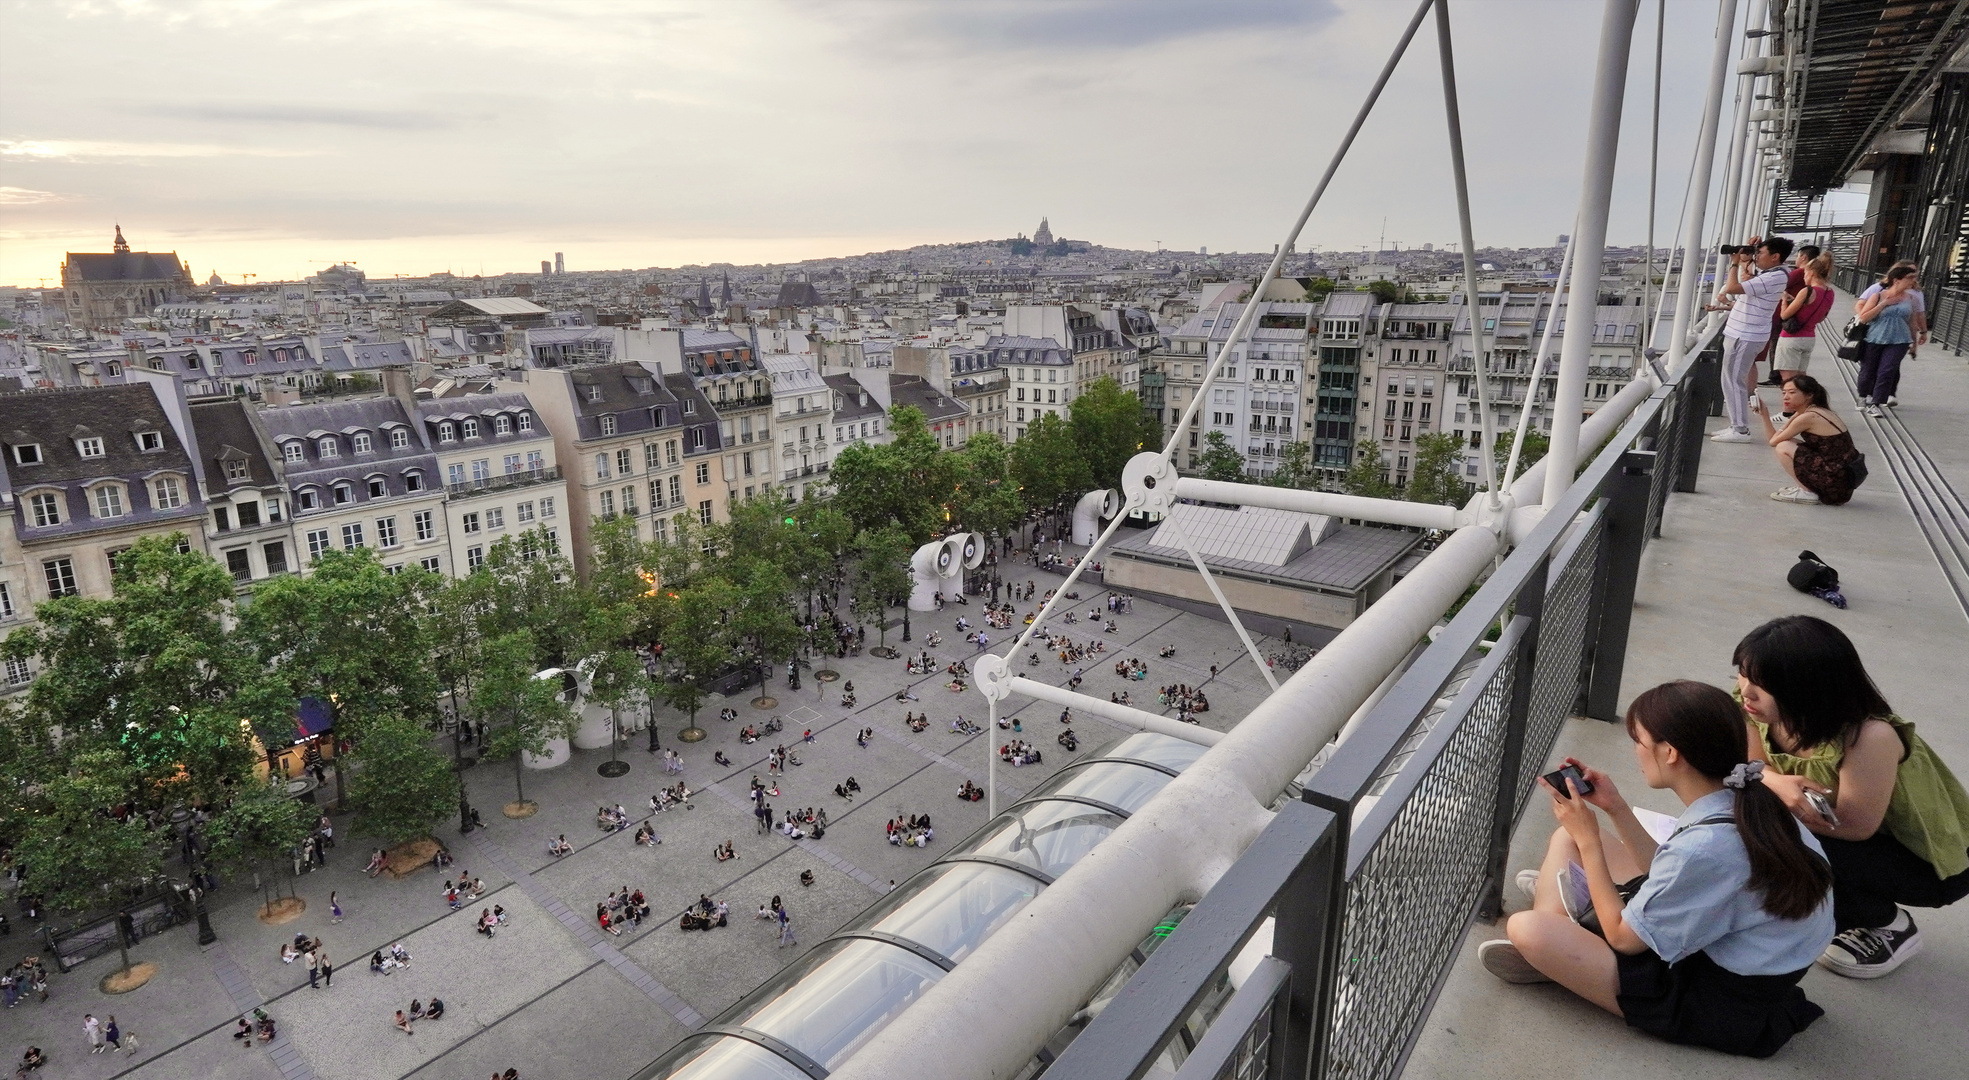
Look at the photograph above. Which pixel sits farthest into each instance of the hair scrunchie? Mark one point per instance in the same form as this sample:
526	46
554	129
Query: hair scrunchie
1750	772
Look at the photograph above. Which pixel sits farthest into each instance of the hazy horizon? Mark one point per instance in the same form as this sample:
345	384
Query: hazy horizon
275	138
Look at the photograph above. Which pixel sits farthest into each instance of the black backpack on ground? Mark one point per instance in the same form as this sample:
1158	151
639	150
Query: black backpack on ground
1811	572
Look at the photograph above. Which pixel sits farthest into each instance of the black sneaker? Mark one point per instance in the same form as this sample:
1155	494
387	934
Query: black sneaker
1869	952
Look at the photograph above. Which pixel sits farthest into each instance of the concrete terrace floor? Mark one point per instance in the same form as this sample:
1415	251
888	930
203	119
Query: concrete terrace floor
559	1000
1718	570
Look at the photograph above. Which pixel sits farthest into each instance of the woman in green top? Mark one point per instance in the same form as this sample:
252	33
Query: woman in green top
1899	828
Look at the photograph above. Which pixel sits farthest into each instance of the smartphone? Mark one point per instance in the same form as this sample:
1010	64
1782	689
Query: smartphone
1824	806
1557	778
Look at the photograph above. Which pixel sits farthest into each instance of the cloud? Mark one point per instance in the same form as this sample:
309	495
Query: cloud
297	113
83	150
1103	25
15	196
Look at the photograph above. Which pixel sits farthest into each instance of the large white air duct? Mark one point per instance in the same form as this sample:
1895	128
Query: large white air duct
932	563
1093	508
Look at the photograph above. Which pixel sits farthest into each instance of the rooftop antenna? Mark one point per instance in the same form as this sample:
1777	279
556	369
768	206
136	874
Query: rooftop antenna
1381	245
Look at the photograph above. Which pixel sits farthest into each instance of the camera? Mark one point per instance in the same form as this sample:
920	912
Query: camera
1737	249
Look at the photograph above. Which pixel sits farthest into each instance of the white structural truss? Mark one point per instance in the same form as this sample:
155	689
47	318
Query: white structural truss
985	1017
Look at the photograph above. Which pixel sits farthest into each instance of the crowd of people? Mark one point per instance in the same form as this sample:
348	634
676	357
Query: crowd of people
706	914
1815	817
1187	700
621	909
1131	668
1019	753
911	831
23	979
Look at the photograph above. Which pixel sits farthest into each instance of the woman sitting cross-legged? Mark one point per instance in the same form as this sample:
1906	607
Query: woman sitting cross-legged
1814	445
1707	938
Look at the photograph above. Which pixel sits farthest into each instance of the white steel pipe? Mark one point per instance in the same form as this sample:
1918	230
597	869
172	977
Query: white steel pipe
1697	201
1595	430
1025	981
1538	358
1595	196
1331	503
1125	715
1479	355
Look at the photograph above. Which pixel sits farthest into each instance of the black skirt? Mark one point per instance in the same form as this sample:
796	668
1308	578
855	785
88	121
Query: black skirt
1700	1003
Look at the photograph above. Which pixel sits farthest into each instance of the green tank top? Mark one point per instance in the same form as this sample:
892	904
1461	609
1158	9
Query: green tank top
1929	810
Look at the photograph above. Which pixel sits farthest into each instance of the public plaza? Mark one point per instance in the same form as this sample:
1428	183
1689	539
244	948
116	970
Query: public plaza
550	994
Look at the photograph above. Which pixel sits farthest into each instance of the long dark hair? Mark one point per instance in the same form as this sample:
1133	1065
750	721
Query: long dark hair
1705	726
1812	671
1813	390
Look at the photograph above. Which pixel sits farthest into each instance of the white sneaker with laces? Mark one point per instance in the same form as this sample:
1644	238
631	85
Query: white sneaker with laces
1874	411
1869	952
1528	883
1892	401
1794	495
1731	435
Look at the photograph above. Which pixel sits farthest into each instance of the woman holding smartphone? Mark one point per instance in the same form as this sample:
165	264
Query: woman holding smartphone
1898	828
1702	938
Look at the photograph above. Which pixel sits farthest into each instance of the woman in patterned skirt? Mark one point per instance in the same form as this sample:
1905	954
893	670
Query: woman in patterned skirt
1814	446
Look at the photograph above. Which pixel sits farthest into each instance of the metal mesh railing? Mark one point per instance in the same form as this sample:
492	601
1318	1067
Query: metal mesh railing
1409	901
1563	645
1668	449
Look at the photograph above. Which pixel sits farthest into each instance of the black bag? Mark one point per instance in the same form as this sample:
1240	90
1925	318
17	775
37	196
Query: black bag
1793	324
1849	351
1856	469
1855	330
1812	573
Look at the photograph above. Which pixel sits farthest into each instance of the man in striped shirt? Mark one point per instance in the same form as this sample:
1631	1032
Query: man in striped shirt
1757	281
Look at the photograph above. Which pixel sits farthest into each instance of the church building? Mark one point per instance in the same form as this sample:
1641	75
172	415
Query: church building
102	289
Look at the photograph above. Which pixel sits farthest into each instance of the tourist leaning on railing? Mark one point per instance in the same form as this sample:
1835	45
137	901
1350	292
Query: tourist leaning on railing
1702	937
1899	830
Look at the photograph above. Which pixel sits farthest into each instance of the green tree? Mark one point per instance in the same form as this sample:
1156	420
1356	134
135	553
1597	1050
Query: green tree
1295	467
151	672
1368	474
881	576
1438	475
1530	454
1219	460
762	624
349	633
402	786
76	853
908	481
1109	428
537	590
1048	465
987	498
825	537
262	825
697	646
525	712
1319	289
1387	292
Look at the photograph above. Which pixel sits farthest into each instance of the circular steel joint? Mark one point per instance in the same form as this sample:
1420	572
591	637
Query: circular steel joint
992	676
1148	482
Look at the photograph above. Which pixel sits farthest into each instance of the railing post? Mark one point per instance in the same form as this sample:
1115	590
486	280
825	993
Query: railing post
1310	920
1701	396
1524	677
1627	494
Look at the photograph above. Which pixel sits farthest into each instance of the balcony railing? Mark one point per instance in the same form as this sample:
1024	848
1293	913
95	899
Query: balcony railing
1402	833
526	478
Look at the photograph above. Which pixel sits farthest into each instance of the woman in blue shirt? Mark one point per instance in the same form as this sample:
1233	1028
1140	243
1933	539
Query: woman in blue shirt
1702	938
1888	310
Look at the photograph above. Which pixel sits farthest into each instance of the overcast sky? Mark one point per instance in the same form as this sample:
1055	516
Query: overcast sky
271	138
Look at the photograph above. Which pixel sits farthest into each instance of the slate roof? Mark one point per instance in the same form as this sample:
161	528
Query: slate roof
126	266
798	294
915	390
55	419
341	420
483	407
226	433
633	393
848	406
701	418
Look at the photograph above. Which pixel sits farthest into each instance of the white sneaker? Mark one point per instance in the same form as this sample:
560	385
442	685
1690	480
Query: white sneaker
1502	959
1528	883
1874	411
1794	495
1731	435
1892	401
1870	952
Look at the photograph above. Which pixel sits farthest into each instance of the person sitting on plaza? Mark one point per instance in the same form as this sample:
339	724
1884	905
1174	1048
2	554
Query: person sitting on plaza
403	1023
288	952
451	898
725	852
1707	941
266	1025
559	846
244	1032
498	915
435	1010
31	1061
416	1009
806	877
969	792
602	917
376	965
400	954
853	786
376	861
718	756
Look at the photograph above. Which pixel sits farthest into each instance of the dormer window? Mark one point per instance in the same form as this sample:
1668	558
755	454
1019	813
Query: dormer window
329	448
236	470
594	393
249	357
149	441
291	451
113	369
447	433
307	499
156	363
690	406
191	361
502	425
109	501
399	438
471	429
344	494
27	453
608	425
526	421
362	442
642	386
47	509
89	446
378	488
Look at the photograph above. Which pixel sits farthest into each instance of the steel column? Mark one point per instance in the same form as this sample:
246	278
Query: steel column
1627	518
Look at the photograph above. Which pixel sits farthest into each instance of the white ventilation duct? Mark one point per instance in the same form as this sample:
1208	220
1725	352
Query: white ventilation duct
932	563
1093	508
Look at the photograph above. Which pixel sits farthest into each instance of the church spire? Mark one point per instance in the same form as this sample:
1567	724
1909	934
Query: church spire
122	246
